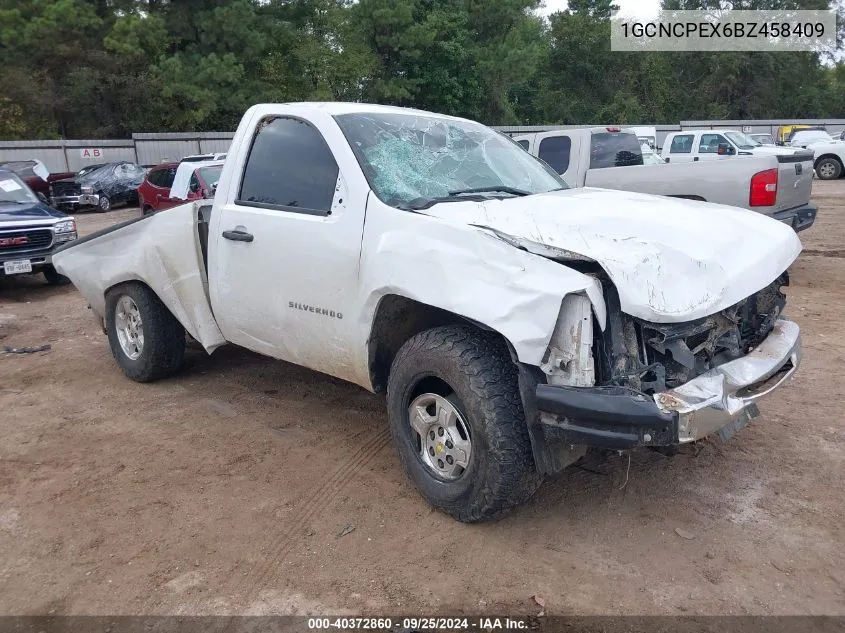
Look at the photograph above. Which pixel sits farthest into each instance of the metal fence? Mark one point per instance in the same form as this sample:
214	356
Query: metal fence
144	149
155	148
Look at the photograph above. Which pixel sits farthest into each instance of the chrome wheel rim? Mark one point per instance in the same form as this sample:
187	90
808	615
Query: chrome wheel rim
445	445
130	331
105	203
827	170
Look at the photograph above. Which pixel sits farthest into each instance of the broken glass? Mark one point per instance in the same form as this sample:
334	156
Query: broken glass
415	160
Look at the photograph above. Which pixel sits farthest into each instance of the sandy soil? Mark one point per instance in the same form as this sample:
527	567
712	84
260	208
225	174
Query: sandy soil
226	489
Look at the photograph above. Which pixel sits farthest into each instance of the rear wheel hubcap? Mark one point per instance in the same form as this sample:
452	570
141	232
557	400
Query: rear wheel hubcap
129	327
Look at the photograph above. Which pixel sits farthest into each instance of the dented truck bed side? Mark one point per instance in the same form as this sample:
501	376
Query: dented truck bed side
160	250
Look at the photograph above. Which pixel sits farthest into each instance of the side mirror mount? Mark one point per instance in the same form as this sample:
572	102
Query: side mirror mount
725	150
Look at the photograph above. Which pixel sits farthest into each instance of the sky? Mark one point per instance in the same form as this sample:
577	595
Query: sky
631	8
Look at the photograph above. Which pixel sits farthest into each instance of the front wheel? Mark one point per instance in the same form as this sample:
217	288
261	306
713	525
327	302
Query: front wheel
457	421
104	204
146	340
829	169
54	278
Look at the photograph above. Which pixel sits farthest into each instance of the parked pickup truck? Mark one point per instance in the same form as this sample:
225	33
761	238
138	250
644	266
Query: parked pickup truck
30	231
513	322
691	146
829	158
777	186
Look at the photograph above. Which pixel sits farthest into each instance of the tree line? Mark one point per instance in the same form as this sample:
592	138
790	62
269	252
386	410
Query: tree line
107	68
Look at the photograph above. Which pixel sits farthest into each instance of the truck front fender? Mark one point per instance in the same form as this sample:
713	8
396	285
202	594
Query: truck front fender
469	272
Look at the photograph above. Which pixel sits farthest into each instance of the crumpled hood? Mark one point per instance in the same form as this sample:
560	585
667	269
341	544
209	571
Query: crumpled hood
671	260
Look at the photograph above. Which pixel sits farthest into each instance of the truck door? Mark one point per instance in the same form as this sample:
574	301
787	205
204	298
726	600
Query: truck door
284	250
708	146
681	149
557	150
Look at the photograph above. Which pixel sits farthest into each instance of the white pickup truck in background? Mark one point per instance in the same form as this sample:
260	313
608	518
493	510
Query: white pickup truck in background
513	322
775	185
691	146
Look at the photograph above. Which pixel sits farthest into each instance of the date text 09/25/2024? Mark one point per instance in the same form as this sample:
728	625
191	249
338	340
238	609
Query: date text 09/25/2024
418	624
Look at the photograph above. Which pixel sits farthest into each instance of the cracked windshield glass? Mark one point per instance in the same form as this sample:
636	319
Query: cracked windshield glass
414	161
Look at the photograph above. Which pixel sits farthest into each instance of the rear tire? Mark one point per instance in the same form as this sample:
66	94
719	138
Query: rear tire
468	374
54	278
829	169
146	340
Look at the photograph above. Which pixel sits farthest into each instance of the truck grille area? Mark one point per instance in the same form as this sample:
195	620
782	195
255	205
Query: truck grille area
65	188
24	240
654	357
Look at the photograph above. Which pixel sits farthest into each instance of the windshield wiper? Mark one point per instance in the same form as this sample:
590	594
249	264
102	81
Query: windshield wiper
13	202
501	188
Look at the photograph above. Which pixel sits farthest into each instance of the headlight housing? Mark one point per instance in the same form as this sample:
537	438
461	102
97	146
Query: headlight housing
87	189
65	231
65	226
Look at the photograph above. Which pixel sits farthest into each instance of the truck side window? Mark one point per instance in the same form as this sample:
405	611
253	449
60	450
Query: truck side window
681	144
290	167
710	143
554	151
523	144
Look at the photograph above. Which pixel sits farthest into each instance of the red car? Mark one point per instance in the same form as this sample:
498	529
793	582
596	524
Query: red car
194	181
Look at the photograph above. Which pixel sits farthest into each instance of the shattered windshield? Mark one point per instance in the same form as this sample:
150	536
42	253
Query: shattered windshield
413	161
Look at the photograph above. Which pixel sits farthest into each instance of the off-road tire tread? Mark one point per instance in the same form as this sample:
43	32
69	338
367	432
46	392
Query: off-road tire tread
164	336
494	400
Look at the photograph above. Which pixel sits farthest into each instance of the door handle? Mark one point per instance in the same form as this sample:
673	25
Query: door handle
695	159
238	235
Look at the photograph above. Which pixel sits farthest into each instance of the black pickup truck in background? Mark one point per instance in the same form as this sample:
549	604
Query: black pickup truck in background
30	231
99	186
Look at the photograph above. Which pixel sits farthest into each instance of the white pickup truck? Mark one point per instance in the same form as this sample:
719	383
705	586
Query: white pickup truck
690	146
513	322
829	158
778	184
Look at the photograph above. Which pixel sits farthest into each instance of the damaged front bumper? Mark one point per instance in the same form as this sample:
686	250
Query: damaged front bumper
80	200
721	400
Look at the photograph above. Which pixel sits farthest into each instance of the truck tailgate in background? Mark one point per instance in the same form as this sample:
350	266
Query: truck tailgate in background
795	181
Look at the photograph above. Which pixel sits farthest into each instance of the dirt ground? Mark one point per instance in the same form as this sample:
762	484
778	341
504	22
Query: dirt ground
226	490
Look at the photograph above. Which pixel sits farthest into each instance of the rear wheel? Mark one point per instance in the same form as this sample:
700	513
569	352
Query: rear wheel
829	169
146	340
456	418
54	278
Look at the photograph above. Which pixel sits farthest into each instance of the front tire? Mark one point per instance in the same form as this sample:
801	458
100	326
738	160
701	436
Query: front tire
146	340
456	418
829	169
104	204
54	278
